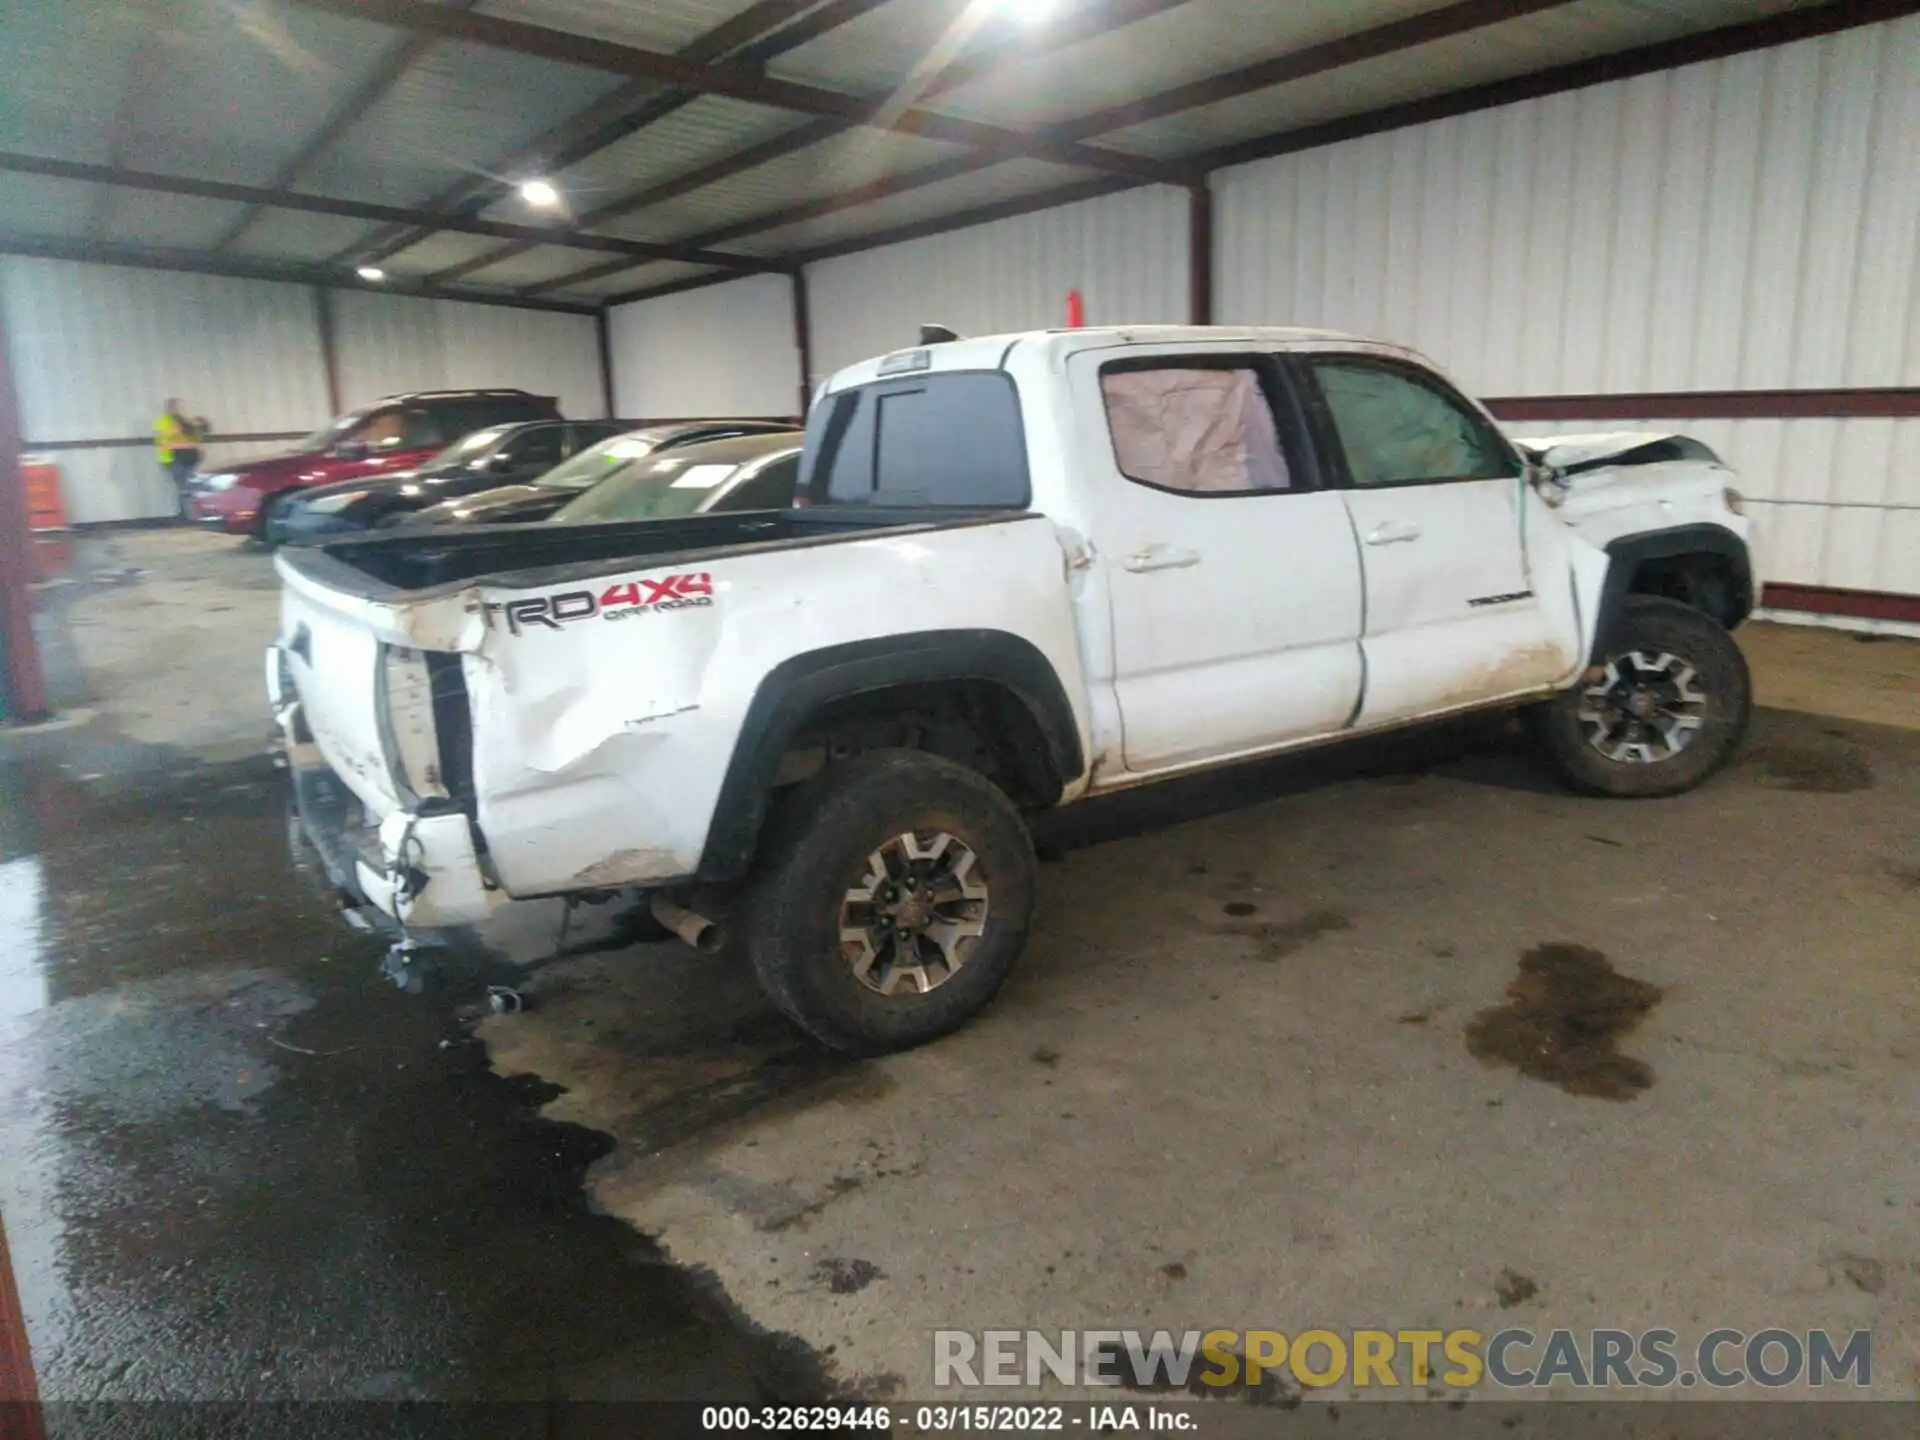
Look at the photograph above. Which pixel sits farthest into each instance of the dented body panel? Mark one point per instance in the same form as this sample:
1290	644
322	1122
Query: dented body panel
569	711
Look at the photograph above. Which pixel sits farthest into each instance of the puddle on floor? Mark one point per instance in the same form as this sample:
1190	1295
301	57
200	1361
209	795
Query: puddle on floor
1563	1021
241	1167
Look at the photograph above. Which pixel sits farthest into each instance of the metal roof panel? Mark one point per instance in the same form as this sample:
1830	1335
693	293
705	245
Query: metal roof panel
298	235
656	25
449	116
706	130
1516	47
1010	180
854	158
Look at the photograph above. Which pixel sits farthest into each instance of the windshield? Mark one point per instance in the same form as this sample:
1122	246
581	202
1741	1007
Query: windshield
662	489
600	462
331	433
469	448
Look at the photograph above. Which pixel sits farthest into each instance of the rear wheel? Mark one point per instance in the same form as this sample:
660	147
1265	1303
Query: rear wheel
1661	713
891	901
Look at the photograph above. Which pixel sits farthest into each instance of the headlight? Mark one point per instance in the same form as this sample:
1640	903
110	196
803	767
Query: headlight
219	482
1736	502
334	504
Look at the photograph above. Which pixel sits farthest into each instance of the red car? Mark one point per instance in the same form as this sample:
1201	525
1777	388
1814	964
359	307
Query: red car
395	433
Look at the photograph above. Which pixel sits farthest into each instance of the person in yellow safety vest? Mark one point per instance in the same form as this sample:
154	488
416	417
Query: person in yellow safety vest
176	438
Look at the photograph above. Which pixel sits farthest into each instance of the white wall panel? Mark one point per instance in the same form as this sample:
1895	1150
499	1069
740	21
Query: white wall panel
96	349
394	343
1746	223
1125	253
725	350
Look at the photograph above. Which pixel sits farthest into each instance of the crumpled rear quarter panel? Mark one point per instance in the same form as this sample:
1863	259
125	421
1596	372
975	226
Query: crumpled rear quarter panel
601	740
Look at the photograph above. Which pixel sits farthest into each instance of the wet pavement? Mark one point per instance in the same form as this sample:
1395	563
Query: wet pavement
238	1166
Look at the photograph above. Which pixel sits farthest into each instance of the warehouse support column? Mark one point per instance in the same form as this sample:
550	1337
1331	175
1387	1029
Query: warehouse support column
1200	253
19	1397
329	346
603	336
803	339
23	691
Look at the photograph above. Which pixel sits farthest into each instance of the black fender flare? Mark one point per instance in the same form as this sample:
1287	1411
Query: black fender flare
1626	553
797	688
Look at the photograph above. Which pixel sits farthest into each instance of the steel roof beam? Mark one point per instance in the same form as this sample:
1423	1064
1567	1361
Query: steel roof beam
1462	17
612	118
202	262
400	57
1085	24
663	104
744	83
636	250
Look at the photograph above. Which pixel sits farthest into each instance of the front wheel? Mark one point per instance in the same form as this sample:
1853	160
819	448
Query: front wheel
891	900
1661	713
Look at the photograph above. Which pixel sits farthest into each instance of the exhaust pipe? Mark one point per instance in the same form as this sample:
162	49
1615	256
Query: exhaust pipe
698	931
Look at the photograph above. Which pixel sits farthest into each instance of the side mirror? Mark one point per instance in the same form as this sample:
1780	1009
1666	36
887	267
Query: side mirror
351	450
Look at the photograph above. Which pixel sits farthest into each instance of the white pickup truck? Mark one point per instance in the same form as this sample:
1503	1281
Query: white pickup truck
1023	570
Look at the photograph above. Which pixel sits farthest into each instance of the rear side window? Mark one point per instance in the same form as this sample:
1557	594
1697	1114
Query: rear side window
937	440
537	447
771	489
1195	430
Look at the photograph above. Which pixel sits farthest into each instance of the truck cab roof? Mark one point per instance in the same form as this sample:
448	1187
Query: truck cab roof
992	352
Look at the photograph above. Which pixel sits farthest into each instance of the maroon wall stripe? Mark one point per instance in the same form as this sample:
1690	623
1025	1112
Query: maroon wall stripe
1852	604
1883	403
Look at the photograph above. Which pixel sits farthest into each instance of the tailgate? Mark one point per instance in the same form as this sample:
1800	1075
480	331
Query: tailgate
364	674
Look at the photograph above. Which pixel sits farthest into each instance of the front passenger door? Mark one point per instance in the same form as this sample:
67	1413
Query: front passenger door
1437	497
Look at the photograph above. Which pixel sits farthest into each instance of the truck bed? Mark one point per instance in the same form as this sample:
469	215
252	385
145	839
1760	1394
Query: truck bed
389	565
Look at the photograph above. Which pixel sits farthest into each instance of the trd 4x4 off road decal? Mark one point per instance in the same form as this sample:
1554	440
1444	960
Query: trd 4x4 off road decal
617	602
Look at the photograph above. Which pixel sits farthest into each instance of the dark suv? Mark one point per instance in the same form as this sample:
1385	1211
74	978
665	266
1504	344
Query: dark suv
395	433
486	460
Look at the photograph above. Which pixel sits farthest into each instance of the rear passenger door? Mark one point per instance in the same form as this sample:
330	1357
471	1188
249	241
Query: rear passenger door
1437	497
1232	574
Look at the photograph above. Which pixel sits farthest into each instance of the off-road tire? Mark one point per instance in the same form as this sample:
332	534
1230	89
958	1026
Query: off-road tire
817	847
1657	626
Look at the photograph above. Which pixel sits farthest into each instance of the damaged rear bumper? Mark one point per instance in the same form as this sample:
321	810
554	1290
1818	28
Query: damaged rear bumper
419	868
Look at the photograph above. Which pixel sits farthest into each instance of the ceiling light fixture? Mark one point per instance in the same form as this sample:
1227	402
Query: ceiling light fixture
539	193
371	273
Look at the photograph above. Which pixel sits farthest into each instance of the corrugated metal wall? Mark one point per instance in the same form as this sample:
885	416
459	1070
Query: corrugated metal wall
392	343
96	350
1125	253
1748	223
726	350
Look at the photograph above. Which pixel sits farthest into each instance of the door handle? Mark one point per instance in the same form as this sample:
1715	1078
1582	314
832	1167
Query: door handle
1393	532
1161	557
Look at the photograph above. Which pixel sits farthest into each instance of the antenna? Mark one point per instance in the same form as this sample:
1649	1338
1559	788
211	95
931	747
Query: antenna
936	335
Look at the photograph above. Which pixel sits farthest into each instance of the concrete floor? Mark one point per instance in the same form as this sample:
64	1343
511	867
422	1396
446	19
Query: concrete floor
1231	1084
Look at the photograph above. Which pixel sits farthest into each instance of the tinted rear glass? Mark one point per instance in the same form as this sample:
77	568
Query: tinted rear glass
951	440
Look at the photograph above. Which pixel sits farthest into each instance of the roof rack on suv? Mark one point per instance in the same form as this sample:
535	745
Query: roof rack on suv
500	392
